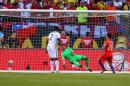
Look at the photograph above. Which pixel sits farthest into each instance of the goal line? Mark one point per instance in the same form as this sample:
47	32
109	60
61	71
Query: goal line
94	72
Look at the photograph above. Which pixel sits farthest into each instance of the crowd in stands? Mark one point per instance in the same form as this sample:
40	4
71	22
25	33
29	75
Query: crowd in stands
66	4
63	5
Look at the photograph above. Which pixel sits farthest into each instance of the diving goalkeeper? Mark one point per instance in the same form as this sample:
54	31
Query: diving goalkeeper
67	53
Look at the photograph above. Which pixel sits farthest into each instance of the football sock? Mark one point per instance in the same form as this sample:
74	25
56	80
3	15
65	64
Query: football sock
52	65
57	65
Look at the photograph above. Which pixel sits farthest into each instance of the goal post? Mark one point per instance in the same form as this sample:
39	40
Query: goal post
85	30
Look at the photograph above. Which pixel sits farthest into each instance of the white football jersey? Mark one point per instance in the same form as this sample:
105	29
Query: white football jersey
52	38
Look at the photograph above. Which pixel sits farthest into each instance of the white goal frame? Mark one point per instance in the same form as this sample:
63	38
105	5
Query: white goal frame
70	11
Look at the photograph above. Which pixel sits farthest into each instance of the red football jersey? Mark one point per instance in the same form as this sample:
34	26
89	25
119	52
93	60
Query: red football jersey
65	40
87	42
109	47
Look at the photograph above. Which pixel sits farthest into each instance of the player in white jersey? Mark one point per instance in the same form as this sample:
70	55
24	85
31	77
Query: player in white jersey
53	41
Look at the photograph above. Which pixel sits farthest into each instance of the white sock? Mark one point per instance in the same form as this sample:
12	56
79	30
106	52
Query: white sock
52	65
57	65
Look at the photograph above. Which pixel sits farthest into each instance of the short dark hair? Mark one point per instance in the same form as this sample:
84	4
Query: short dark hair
55	28
88	34
109	35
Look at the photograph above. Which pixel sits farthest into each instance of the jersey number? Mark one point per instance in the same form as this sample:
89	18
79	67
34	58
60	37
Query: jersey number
51	37
110	47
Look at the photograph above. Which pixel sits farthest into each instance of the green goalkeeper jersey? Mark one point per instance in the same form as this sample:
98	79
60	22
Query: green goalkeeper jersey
67	54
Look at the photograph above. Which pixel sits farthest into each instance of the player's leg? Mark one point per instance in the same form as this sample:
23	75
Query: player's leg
52	64
87	62
55	56
81	57
57	64
109	59
76	63
76	59
101	60
49	49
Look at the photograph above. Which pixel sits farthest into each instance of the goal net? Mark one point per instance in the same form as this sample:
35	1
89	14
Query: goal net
23	37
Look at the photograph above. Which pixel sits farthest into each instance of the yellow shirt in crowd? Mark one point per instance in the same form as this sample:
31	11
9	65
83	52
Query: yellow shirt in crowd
82	17
126	7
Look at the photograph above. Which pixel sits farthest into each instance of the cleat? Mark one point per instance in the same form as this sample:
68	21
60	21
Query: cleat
90	70
103	71
52	72
57	71
113	72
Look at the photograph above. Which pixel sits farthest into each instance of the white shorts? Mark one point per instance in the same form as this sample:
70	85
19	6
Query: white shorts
52	51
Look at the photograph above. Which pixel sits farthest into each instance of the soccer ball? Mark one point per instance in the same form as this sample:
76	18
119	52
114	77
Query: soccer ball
10	62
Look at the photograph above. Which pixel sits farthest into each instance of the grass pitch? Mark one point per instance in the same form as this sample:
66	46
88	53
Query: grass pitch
29	79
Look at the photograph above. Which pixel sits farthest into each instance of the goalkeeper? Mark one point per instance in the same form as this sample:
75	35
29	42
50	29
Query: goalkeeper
67	53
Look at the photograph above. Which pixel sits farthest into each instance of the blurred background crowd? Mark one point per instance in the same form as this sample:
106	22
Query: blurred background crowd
66	4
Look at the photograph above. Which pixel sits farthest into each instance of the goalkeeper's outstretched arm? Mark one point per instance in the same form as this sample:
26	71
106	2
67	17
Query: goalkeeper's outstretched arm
64	63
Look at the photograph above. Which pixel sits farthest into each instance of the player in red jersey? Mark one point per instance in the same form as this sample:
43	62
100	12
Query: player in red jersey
107	55
87	41
64	39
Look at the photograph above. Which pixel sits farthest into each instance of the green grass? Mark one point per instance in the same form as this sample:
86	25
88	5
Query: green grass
27	79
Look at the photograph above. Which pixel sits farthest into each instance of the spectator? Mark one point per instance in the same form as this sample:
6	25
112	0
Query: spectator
1	38
92	6
126	6
101	4
121	41
25	5
56	6
39	3
21	6
82	17
65	5
110	6
46	4
118	4
64	39
110	17
35	5
76	4
71	6
87	41
28	5
1	3
7	5
15	4
12	41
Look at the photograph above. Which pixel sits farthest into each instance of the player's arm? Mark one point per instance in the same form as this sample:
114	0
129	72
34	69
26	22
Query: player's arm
63	59
59	42
72	53
64	64
46	45
104	44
